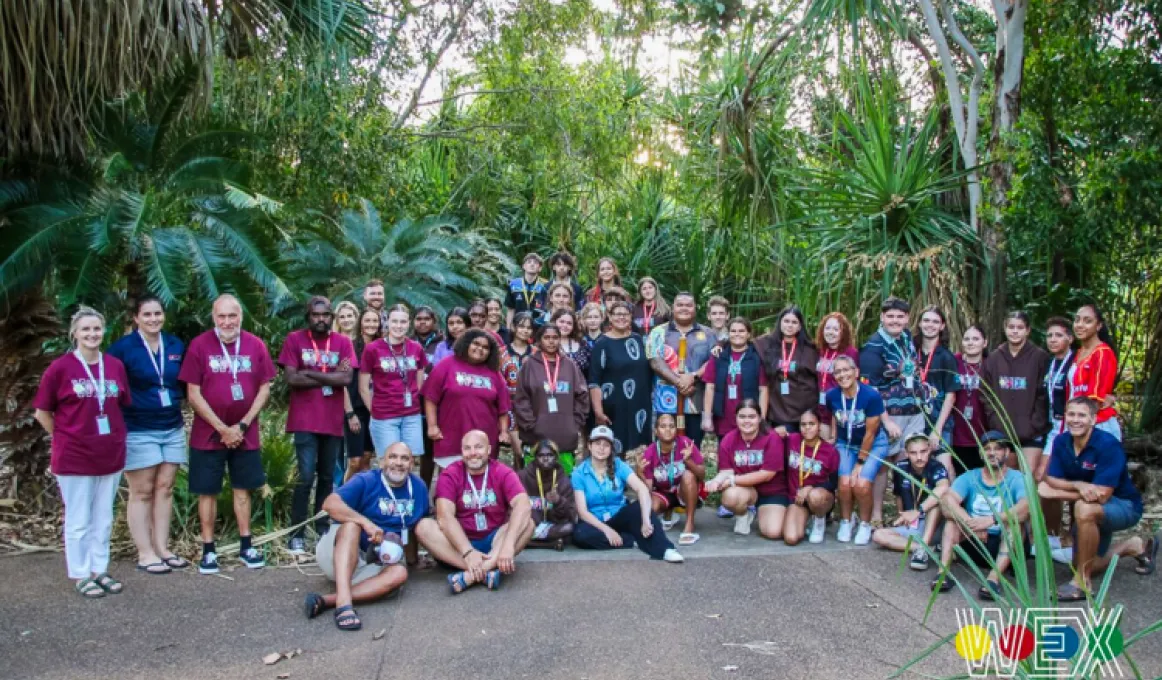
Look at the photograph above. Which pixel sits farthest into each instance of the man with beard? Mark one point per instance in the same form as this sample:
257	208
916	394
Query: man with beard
376	517
318	364
373	298
483	514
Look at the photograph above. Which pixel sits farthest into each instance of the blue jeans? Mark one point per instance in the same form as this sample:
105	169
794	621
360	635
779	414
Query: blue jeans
316	454
408	429
849	454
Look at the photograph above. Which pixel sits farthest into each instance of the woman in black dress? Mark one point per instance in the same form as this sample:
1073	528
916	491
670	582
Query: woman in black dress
620	379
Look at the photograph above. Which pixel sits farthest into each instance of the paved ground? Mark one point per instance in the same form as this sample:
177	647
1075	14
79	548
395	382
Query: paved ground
759	609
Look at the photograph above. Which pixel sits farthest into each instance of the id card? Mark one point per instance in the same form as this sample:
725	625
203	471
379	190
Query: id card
914	524
784	388
327	390
552	402
732	392
407	399
968	412
542	531
908	382
163	397
822	398
102	424
403	536
481	521
605	516
236	392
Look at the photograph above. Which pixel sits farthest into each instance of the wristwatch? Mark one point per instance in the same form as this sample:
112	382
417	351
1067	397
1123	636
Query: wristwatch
348	414
244	426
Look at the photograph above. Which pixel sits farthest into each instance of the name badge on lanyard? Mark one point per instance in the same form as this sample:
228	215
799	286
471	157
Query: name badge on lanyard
158	367
552	403
236	392
784	388
479	497
968	412
98	389
481	521
732	392
407	399
328	390
232	361
822	398
403	521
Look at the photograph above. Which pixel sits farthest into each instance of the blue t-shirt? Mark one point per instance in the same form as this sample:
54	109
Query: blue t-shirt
1102	462
603	498
147	413
982	500
366	494
911	496
867	404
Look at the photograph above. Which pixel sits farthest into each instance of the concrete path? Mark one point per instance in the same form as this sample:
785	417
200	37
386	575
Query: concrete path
741	607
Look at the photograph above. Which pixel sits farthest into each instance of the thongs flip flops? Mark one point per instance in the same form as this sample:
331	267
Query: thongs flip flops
1148	560
688	539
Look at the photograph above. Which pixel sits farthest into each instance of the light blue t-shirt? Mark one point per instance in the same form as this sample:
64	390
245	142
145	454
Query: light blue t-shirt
603	498
982	500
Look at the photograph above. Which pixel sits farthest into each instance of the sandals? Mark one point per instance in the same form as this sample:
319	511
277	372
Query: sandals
109	584
89	589
559	545
687	539
346	618
1148	560
1070	593
175	562
156	568
492	579
943	586
668	524
313	605
990	591
457	583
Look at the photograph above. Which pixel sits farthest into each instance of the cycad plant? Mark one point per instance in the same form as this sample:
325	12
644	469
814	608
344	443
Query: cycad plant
427	262
167	210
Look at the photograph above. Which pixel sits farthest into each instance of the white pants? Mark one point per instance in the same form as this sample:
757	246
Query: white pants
88	521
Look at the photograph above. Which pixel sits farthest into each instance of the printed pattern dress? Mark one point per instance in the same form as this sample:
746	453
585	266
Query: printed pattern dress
619	367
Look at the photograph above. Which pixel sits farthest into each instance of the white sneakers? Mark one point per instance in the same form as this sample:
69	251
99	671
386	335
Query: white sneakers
742	523
818	527
844	535
673	556
863	536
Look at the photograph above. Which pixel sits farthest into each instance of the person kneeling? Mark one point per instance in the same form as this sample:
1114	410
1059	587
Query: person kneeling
372	518
750	473
483	517
607	520
673	469
983	505
918	484
551	496
810	481
1088	468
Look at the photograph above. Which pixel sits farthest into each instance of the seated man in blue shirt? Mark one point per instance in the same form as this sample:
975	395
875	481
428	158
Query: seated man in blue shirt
1088	468
987	503
374	517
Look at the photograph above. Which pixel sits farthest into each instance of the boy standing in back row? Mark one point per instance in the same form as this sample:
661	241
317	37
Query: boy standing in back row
527	292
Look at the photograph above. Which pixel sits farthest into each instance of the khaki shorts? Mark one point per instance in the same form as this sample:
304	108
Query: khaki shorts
325	556
909	425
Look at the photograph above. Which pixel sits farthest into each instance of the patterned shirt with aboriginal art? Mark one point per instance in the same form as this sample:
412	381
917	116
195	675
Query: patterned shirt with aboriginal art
664	342
316	409
206	366
490	493
890	366
467	397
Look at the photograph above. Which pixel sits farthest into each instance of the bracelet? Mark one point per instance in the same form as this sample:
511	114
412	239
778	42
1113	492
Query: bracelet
468	552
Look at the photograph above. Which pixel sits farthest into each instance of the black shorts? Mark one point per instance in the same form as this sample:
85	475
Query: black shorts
207	468
775	499
357	445
1034	443
980	557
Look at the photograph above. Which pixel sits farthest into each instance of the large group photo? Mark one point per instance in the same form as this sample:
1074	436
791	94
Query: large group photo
329	352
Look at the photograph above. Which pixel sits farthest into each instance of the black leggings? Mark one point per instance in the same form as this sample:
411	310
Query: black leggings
628	523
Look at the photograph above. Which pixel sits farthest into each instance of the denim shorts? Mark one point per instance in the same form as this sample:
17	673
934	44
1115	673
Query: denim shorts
408	429
849	454
1112	426
147	448
1119	515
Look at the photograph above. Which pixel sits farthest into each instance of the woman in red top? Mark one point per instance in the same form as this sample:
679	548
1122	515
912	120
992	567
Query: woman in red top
79	404
651	309
607	277
812	473
834	336
968	423
1095	370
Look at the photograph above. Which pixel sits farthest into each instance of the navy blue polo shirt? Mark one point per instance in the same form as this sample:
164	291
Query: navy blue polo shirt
147	413
1102	462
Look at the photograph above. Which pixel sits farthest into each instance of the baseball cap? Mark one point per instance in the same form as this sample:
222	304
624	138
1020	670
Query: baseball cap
996	436
604	432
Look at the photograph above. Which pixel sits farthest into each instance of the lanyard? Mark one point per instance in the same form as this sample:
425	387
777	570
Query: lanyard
541	487
849	413
734	369
400	509
399	360
550	375
428	340
669	467
802	467
478	496
928	365
528	295
648	315
1054	375
232	363
787	357
973	371
902	354
98	385
320	359
158	367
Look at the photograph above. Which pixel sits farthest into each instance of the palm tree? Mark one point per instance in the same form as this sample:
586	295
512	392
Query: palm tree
427	262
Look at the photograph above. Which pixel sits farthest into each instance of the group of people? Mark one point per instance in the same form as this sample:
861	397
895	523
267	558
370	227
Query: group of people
570	380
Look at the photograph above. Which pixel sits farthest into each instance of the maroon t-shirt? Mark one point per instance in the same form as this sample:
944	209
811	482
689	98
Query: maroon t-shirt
814	467
496	495
66	391
968	413
393	370
764	453
825	369
309	409
206	367
667	469
723	425
467	397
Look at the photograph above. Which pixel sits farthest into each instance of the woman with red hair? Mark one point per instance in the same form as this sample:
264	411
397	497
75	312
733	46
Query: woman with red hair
834	337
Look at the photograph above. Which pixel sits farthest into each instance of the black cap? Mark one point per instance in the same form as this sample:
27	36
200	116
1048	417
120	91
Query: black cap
996	436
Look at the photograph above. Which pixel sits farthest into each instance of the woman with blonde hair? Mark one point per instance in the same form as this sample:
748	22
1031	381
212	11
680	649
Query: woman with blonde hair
559	297
651	309
79	403
593	321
